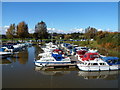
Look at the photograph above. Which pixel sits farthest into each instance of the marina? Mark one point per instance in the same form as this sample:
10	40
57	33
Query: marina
59	45
23	64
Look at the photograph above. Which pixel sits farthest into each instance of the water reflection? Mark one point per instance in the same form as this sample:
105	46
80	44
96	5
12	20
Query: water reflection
55	72
37	50
99	75
5	61
23	57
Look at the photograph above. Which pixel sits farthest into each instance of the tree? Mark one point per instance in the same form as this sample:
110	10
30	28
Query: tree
90	33
11	31
22	30
67	37
41	31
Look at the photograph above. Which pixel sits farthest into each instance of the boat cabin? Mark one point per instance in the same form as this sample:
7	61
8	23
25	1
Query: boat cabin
81	52
82	48
90	56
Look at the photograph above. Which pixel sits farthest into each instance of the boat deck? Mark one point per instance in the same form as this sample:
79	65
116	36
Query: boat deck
67	65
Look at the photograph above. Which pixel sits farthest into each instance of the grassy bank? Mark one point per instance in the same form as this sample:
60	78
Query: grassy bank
95	45
90	44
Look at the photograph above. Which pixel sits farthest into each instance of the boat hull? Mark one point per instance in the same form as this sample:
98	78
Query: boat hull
98	68
37	63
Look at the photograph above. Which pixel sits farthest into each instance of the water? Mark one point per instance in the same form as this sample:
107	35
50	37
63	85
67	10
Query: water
20	72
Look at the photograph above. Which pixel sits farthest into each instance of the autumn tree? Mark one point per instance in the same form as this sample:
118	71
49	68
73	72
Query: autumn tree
67	37
41	31
11	31
90	33
22	30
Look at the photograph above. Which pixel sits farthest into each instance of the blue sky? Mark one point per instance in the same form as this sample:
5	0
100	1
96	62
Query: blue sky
63	16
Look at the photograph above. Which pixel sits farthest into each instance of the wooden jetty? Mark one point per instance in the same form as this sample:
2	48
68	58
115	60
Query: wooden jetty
71	65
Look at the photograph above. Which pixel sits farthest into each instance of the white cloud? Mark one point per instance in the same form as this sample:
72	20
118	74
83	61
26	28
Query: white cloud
50	30
99	29
31	30
3	29
108	30
80	30
54	30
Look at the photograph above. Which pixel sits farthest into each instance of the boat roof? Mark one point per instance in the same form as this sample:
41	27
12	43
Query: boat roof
110	58
90	53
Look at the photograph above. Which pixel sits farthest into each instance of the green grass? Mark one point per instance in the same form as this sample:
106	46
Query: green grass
92	45
95	45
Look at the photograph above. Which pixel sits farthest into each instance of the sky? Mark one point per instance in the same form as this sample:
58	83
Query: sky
64	17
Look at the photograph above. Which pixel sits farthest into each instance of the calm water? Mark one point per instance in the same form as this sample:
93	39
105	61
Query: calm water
20	72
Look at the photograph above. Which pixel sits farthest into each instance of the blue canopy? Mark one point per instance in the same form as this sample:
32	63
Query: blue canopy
110	58
58	57
66	44
2	49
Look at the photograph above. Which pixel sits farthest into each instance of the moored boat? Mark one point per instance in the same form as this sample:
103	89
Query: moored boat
93	65
5	54
53	58
94	62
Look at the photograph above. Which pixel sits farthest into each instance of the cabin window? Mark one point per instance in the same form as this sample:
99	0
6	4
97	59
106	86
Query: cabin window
109	61
91	56
95	63
85	56
95	56
83	48
102	64
114	61
88	63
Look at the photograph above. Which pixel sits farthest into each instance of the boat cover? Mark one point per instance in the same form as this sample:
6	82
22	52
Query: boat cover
81	52
58	57
2	49
111	60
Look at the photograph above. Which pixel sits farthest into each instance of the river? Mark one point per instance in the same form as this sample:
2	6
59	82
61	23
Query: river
20	72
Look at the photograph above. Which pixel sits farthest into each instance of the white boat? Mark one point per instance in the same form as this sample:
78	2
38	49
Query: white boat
49	47
4	54
82	48
46	54
8	49
93	65
53	58
92	62
92	51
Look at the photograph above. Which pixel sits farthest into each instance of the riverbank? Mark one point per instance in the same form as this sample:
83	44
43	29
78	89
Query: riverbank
90	44
94	45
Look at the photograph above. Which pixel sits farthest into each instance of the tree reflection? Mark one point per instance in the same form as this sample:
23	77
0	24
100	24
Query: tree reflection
53	72
38	50
5	61
23	57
